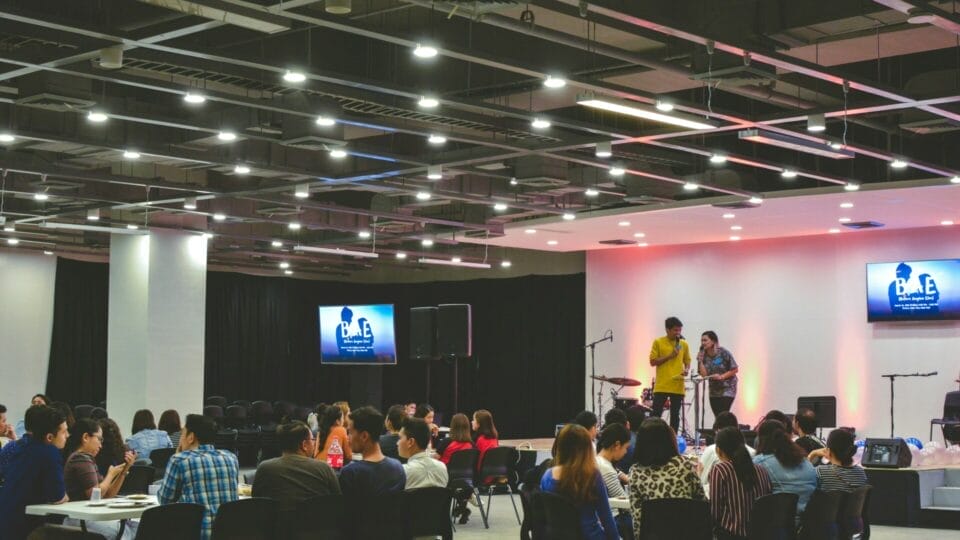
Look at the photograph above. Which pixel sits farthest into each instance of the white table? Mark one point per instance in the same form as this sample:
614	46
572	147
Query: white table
619	503
82	511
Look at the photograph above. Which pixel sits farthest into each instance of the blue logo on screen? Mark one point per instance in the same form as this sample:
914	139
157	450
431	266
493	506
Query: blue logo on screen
354	339
909	296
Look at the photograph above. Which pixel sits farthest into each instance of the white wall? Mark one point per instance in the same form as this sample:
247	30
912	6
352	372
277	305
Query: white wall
793	313
26	321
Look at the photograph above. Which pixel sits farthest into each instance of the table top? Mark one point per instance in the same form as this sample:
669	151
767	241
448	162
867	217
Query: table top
83	510
621	503
542	445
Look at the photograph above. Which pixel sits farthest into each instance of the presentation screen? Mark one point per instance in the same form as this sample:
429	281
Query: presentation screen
913	290
357	334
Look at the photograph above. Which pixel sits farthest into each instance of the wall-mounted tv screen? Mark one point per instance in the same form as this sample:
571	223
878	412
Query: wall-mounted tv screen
913	290
357	334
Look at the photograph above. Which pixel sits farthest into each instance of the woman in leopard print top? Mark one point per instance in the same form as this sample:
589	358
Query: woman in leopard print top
660	472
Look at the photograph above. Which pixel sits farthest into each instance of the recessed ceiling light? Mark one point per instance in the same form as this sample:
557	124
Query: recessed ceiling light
426	242
302	191
729	216
364	234
194	98
642	244
664	105
591	192
401	255
691	186
788	174
734	238
428	102
434	172
623	223
736	228
41	197
9	227
288	272
276	243
93	214
755	200
131	154
554	82
96	116
132	227
436	139
530	231
500	207
423	195
208	235
190	203
851	186
326	121
424	51
47	252
513	182
639	235
456	259
617	171
294	76
899	164
844	220
6	137
917	15
955	180
569	216
241	169
219	217
294	226
284	265
552	242
834	230
718	158
946	222
816	123
846	205
13	241
505	264
603	150
338	153
540	123
227	136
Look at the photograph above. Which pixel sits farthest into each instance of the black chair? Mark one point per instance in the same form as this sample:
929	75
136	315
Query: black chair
248	446
246	519
159	458
377	518
284	410
235	417
138	478
62	532
99	413
561	517
534	520
262	413
664	519
179	520
460	471
750	438
269	446
819	518
82	411
773	517
226	439
324	516
213	411
219	401
950	423
427	512
498	470
243	403
301	414
850	517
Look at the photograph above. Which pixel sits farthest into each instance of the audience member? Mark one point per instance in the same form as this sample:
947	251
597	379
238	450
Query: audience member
37	399
388	441
199	473
374	474
735	483
589	422
425	411
33	471
576	477
344	408
294	476
486	433
66	411
6	453
777	415
659	471
612	444
411	408
333	435
805	426
313	419
420	469
145	437
113	452
170	423
709	458
840	474
619	416
459	438
7	433
785	463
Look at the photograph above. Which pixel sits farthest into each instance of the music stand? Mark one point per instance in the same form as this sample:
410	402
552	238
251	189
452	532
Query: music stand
824	407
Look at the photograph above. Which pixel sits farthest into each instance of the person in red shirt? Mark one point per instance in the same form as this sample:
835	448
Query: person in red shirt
459	438
487	436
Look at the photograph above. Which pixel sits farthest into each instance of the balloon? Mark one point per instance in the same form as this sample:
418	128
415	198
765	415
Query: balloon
917	454
916	442
860	443
859	455
681	444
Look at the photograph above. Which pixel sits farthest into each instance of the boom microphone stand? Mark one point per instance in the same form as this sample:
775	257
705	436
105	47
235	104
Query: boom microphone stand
607	336
893	377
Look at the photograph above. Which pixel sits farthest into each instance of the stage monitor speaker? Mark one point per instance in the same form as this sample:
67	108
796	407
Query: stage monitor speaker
624	403
825	407
888	453
423	333
455	330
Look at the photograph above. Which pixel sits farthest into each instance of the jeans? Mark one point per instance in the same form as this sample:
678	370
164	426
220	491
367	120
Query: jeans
676	403
720	404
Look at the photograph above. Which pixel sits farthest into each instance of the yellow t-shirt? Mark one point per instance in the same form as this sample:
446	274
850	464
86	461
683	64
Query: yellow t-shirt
670	373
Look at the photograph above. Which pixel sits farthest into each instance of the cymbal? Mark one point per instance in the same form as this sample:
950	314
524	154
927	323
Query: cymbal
623	381
600	378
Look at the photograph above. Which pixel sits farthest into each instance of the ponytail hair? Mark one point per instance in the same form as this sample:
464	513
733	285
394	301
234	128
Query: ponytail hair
772	438
842	445
730	440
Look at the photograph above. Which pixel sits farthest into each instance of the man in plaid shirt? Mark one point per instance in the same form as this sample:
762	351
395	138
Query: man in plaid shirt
198	473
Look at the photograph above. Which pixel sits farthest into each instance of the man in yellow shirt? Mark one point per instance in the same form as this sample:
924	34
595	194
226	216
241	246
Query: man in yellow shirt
670	354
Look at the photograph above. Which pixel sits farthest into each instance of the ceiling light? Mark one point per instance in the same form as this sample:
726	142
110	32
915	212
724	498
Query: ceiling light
642	244
194	98
569	216
530	231
436	139
846	205
836	145
513	182
456	259
755	200
9	228
816	123
132	227
736	228
434	172
129	229
851	186
339	251
790	142
325	121
13	241
834	230
131	154
691	186
505	264
294	226
844	220
423	195
917	15
47	252
955	180
302	191
540	123
364	234
946	222
500	207
554	82
734	238
276	243
401	255
664	105
93	214
639	235
789	174
219	217
552	242
338	7
241	169
639	110
338	153
424	51
899	164
426	242
208	235
227	136
41	197
718	158
729	216
623	223
603	150
294	76
288	272
617	171
190	203
96	116
446	262
591	192
284	265
7	138
428	102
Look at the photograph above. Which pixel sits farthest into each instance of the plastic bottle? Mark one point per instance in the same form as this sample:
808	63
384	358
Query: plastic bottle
335	455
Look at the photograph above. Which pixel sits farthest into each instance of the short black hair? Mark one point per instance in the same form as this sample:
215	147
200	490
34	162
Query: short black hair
291	435
586	419
418	430
636	414
615	416
46	400
423	410
613	433
807	420
205	429
656	443
31	416
725	419
672	322
395	415
46	421
777	415
3	408
369	420
842	445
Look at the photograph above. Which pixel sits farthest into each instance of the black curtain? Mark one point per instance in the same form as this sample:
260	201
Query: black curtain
77	372
527	366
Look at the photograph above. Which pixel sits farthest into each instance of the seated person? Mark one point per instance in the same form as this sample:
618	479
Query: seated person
589	422
735	483
709	458
612	445
33	471
840	474
459	438
37	399
805	426
375	474
425	411
333	447
393	423
7	433
113	451
420	469
619	416
145	437
786	463
199	473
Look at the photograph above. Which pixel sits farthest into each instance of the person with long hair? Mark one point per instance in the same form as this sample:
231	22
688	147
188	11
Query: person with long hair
785	463
332	432
145	437
170	423
659	471
486	433
114	451
841	473
426	412
709	458
735	483
459	438
717	365
575	476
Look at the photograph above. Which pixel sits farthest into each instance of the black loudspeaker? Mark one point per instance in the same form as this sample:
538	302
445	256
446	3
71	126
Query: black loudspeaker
888	453
423	333
455	330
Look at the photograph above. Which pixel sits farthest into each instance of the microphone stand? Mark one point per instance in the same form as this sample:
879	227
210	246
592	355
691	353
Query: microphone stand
607	336
893	377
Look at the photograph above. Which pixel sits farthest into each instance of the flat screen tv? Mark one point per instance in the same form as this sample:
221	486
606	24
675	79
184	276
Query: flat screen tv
913	290
357	334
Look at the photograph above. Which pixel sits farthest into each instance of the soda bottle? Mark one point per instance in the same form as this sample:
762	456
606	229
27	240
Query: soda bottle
335	455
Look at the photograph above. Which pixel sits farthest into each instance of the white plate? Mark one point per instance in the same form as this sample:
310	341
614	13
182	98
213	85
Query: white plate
137	497
97	503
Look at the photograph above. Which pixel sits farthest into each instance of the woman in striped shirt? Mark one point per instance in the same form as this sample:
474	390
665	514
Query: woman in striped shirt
735	483
841	474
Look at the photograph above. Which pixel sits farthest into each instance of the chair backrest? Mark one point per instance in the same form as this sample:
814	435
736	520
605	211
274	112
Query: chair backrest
138	478
379	517
243	403
179	520
213	411
498	464
676	518
561	517
819	518
82	411
324	516
262	412
301	414
60	532
427	512
850	516
235	416
462	466
160	457
219	401
750	438
283	409
534	519
248	446
951	405
99	413
773	517
246	519
226	439
269	446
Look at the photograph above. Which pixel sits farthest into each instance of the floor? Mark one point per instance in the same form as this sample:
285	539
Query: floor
503	525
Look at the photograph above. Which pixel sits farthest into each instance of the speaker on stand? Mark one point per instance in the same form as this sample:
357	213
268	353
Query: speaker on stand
455	333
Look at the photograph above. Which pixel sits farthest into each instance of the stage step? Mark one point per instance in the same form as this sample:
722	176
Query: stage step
946	497
952	477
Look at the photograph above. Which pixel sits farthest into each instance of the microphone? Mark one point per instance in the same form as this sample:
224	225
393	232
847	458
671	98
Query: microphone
611	336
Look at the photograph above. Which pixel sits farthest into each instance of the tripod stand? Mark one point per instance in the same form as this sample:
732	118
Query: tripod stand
893	377
607	336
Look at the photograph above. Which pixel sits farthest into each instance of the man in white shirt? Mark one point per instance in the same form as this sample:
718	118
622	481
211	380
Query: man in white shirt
421	469
709	458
